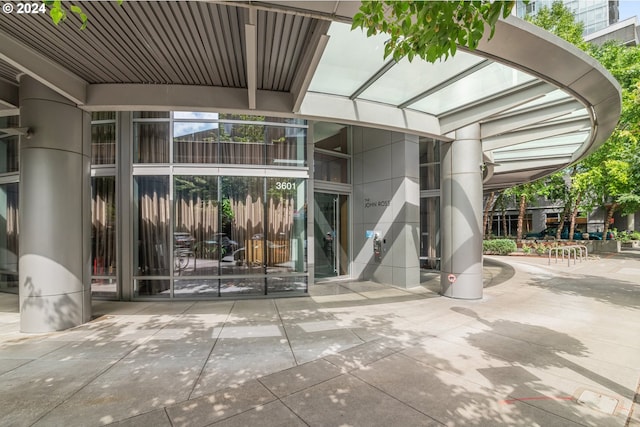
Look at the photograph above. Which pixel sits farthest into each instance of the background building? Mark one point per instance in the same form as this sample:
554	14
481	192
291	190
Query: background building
594	14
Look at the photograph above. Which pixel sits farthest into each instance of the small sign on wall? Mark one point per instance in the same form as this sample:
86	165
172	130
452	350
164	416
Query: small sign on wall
369	203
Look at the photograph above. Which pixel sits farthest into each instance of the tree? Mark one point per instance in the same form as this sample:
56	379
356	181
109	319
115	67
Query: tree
488	208
612	169
607	177
525	194
559	20
431	30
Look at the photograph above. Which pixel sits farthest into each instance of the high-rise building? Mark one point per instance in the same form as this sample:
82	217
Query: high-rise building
595	14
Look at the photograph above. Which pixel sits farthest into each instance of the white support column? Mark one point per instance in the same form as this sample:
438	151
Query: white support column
461	215
55	211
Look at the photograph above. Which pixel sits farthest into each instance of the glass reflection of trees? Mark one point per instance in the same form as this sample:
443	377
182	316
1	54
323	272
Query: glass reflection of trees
242	224
103	226
152	225
196	209
103	138
286	211
9	237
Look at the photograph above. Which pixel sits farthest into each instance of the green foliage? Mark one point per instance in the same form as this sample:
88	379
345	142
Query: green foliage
611	175
227	211
628	237
559	20
431	30
540	248
244	132
58	12
499	246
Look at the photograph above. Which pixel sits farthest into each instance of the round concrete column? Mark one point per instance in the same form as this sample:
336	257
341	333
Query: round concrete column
461	215
55	211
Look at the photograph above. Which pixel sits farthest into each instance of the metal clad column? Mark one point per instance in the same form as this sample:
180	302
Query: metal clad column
55	211
461	215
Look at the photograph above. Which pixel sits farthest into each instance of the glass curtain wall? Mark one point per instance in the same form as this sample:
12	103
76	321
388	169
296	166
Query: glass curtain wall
430	203
201	232
104	281
151	233
506	225
9	233
285	243
332	174
9	227
103	236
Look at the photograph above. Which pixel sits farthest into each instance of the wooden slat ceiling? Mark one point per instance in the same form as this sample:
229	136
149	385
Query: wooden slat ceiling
167	42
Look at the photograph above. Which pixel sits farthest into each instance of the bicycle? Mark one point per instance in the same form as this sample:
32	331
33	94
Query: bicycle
181	257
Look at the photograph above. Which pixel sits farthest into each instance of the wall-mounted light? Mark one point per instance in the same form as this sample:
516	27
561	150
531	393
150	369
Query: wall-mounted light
26	132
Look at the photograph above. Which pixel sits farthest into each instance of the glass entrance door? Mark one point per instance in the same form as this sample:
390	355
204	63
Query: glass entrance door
331	235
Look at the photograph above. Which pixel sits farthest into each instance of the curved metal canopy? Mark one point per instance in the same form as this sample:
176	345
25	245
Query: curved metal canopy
542	104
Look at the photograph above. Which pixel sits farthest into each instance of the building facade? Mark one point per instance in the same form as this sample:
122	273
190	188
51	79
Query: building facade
250	150
594	14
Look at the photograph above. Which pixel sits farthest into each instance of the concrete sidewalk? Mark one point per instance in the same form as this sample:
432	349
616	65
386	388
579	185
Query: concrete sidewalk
548	346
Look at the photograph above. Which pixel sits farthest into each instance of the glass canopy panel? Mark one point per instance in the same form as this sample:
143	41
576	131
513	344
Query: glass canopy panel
554	151
408	79
578	114
488	81
349	60
556	95
560	145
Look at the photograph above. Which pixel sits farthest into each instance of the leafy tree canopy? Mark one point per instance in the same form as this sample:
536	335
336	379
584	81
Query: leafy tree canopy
431	30
559	20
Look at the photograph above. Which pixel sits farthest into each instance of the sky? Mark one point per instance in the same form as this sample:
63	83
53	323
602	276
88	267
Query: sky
629	8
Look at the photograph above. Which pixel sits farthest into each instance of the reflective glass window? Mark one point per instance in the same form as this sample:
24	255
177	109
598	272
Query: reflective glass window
9	154
152	288
241	286
331	137
197	243
286	284
330	168
250	118
103	138
286	146
189	288
151	226
9	237
286	232
151	115
195	115
241	229
103	226
429	164
151	141
195	142
430	233
242	143
104	287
